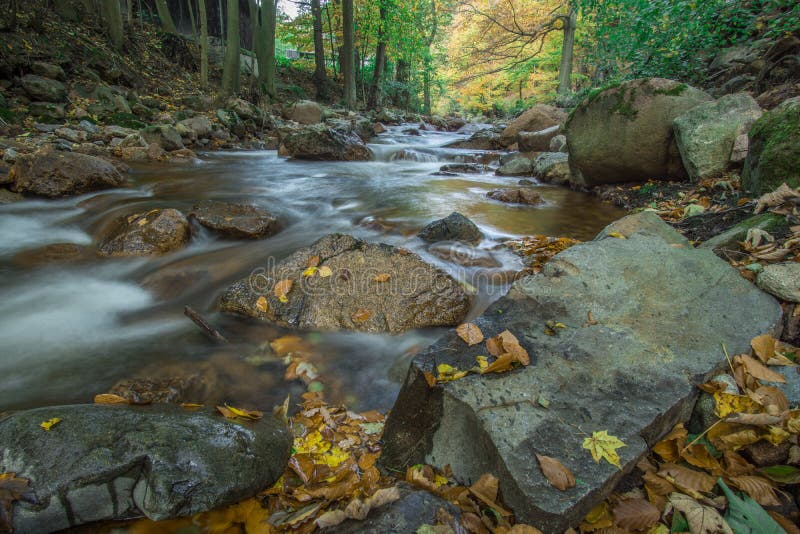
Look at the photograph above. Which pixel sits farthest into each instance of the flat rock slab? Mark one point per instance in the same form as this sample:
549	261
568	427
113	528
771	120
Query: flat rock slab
662	311
367	287
120	462
235	220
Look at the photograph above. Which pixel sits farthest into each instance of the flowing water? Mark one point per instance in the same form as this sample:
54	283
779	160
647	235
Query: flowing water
71	329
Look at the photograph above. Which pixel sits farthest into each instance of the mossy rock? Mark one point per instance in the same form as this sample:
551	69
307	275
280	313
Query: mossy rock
126	120
7	115
774	156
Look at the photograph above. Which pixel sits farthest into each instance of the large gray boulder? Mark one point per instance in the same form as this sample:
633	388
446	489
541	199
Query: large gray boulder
326	144
164	135
120	462
625	133
43	89
552	168
519	166
706	133
366	287
537	118
537	141
304	112
199	125
781	280
56	174
486	139
659	312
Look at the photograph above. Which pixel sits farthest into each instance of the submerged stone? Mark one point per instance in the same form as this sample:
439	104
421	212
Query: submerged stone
660	311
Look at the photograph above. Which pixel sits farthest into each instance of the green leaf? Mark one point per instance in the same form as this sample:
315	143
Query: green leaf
746	516
679	523
785	474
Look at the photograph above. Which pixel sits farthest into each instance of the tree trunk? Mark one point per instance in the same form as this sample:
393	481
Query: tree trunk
320	76
380	60
334	59
112	19
192	19
129	10
265	47
565	68
203	43
165	17
426	84
230	69
348	59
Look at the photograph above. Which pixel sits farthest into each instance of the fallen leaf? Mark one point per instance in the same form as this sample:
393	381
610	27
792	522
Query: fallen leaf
746	515
470	333
775	198
282	288
50	423
559	476
313	261
670	447
686	478
758	369
602	445
109	398
635	514
503	363
310	271
361	315
383	277
325	271
702	519
758	488
617	235
12	489
231	412
728	403
262	305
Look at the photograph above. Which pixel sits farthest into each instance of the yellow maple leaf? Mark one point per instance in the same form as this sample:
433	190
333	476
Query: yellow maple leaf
50	423
602	445
310	271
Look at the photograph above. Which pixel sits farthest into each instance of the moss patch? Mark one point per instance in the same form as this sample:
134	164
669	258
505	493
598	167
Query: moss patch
677	90
126	120
7	115
774	150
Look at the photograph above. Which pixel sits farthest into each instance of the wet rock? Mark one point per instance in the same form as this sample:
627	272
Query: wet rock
165	136
326	144
58	174
625	133
412	131
730	238
487	139
238	221
112	131
516	195
535	119
304	112
47	111
232	122
43	89
706	133
54	253
516	167
774	155
781	280
48	70
411	511
200	126
537	141
552	168
741	147
632	374
464	255
357	295
245	110
454	227
7	197
463	168
133	140
120	462
157	231
558	143
365	129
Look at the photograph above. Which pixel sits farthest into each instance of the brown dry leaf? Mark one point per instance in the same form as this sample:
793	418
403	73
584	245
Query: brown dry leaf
697	455
687	478
12	489
736	465
786	524
598	517
670	447
768	396
109	398
635	514
313	261
494	346
776	198
505	362
713	386
753	419
758	488
470	333
731	436
759	370
383	277
361	315
702	519
524	529
657	488
512	346
559	476
763	347
282	289
485	489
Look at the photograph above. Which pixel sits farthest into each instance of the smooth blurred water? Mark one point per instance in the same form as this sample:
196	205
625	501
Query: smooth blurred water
69	330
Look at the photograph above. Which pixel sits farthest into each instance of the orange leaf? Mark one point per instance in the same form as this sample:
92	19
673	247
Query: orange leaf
559	476
282	289
763	347
109	398
313	261
470	333
383	277
361	315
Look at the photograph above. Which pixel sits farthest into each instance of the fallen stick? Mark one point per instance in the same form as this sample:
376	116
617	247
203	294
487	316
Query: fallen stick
204	325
